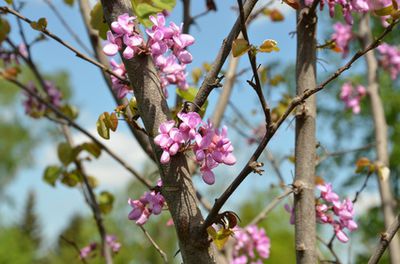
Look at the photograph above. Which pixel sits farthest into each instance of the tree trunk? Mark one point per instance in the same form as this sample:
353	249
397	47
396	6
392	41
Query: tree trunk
380	135
177	188
304	200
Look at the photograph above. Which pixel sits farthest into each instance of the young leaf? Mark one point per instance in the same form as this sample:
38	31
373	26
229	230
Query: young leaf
51	174
92	148
102	128
97	20
69	2
4	29
293	4
384	11
240	47
71	179
269	45
64	152
40	25
106	201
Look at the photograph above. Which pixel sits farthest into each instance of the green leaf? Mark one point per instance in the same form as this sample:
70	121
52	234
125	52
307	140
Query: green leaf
189	96
106	201
385	11
71	179
145	8
219	237
69	2
51	174
97	20
9	1
65	153
92	181
102	128
70	111
92	148
240	47
40	25
4	29
111	121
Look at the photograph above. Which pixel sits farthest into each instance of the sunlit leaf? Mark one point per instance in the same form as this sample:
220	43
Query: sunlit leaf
92	148
105	200
189	95
295	4
97	20
4	29
69	2
196	75
51	175
93	182
240	47
269	45
64	152
70	111
145	8
219	237
113	120
9	1
102	128
40	25
385	11
71	179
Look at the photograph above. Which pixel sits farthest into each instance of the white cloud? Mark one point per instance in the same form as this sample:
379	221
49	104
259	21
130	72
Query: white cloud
108	172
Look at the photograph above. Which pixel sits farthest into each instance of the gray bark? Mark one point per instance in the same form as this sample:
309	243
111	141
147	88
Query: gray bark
177	188
304	200
380	126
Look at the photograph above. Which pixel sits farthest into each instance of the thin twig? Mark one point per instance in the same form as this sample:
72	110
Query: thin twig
252	58
79	128
67	27
6	9
74	245
331	250
264	213
274	127
157	247
385	241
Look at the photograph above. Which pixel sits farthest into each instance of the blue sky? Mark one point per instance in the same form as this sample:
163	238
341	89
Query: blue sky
56	205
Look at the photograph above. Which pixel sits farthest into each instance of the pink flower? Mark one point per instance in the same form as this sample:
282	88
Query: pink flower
118	86
352	97
150	203
390	59
342	36
111	241
169	139
252	245
87	251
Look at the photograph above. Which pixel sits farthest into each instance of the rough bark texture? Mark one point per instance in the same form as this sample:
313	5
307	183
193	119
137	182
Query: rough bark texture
177	185
380	136
304	201
141	137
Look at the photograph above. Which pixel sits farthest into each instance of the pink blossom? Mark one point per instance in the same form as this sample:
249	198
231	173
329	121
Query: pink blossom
34	107
85	252
342	36
352	97
169	139
390	59
121	88
252	245
111	241
150	203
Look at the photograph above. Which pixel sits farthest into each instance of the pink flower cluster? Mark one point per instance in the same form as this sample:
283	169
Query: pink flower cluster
33	107
121	88
210	146
360	6
9	57
252	245
390	59
342	36
163	39
151	202
111	241
329	210
166	44
352	96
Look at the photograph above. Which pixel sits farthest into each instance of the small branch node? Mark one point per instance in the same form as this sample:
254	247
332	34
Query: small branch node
255	166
